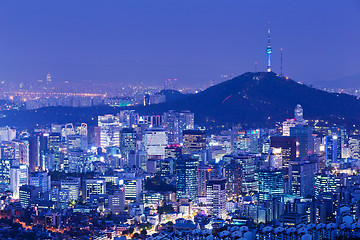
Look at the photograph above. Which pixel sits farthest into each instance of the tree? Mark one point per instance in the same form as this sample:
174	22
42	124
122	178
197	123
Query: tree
165	209
143	232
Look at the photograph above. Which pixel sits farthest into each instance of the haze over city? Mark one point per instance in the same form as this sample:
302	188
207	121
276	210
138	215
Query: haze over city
193	41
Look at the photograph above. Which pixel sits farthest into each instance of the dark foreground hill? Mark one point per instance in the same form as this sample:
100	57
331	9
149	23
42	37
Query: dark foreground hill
252	99
261	99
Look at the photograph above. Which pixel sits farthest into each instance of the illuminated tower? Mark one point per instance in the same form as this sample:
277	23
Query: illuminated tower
268	50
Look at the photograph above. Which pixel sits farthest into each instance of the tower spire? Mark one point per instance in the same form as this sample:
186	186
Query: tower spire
268	50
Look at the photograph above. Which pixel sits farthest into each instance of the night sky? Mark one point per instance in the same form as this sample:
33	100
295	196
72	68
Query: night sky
196	41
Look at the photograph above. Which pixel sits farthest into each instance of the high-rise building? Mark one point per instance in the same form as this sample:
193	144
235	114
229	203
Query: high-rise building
171	125
326	185
173	151
133	187
332	149
233	179
193	141
77	143
301	177
354	145
19	176
27	193
109	131
128	118
72	186
245	141
303	134
54	145
288	147
271	184
167	167
204	175
5	170
117	201
93	186
216	198
41	179
127	142
175	123
248	173
137	158
186	177
7	134
155	142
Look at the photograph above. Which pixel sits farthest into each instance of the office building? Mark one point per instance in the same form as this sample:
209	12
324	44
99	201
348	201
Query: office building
186	177
19	176
109	131
271	184
216	198
193	141
155	142
93	186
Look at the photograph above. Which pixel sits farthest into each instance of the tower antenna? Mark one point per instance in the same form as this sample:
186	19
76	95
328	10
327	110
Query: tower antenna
281	63
256	66
268	50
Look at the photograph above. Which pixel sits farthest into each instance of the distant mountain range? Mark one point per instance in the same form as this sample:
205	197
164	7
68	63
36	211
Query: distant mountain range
252	100
349	82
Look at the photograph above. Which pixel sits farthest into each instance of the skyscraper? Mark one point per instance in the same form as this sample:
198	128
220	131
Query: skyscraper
288	147
155	141
193	141
109	131
304	135
233	179
127	142
326	185
271	184
186	177
216	198
54	144
19	176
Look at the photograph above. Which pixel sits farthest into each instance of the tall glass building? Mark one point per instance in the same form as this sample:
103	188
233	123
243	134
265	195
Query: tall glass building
186	179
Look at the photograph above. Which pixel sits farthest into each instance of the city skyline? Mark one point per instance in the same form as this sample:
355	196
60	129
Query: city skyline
142	42
154	120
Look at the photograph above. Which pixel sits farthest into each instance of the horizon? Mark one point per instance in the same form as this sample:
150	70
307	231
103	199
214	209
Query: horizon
134	42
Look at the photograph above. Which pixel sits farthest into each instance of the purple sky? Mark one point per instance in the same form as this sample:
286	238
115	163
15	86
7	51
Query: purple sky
193	40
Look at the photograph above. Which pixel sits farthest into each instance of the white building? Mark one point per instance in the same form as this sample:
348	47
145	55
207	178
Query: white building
73	187
93	186
7	134
155	142
216	198
117	202
109	131
19	176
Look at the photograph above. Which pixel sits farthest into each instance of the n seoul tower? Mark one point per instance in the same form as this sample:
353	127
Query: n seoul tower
268	50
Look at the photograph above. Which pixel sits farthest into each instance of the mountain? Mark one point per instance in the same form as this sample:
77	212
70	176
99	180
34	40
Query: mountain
172	95
252	99
262	99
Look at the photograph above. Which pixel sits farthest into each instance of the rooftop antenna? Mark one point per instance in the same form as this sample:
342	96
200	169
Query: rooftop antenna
281	63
